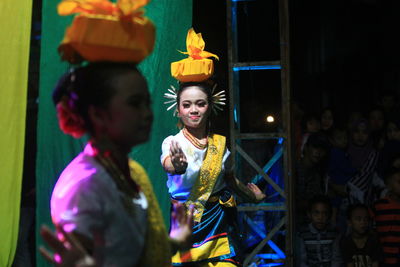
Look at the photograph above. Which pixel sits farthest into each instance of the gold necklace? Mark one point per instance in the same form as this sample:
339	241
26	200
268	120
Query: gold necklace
194	140
129	189
127	186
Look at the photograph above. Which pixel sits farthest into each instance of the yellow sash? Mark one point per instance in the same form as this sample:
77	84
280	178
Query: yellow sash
209	172
157	251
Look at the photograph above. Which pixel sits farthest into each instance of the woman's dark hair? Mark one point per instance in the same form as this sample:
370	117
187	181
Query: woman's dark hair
306	118
205	86
359	122
331	110
375	108
318	140
354	207
91	85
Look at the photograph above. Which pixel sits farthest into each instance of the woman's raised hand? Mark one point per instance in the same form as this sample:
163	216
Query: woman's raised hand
178	158
259	195
181	226
67	249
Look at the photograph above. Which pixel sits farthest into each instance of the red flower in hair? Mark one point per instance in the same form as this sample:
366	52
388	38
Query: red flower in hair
69	122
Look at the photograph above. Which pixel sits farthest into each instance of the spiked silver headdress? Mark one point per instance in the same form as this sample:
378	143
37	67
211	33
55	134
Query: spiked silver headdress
218	99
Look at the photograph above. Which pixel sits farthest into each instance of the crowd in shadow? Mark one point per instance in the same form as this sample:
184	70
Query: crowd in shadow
348	186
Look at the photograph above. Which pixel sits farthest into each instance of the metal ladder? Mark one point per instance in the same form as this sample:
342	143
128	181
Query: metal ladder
279	136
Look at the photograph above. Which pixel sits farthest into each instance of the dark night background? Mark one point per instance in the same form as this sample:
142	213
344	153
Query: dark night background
344	53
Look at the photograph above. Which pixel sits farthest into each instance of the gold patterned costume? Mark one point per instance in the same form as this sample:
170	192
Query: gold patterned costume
203	186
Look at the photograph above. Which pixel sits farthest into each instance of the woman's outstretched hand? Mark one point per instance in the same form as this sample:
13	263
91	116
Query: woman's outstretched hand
181	226
178	158
67	249
258	194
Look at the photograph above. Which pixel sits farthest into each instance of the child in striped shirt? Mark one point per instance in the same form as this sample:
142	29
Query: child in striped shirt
386	213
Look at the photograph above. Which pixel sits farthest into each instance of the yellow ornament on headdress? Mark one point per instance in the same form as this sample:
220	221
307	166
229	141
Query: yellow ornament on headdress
197	67
104	31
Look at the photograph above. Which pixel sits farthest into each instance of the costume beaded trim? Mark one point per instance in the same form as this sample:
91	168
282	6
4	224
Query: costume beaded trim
194	140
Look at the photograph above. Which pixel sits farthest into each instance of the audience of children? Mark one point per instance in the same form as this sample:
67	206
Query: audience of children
358	172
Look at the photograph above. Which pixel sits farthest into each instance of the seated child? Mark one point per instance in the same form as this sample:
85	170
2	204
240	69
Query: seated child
364	158
340	171
386	214
309	124
310	174
318	242
361	247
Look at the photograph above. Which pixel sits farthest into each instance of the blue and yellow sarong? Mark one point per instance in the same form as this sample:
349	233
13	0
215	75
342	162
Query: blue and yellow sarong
212	238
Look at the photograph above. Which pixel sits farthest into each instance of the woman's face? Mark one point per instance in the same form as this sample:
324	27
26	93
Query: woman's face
354	116
193	107
340	139
313	126
128	118
360	135
319	215
326	120
376	120
393	133
359	220
314	154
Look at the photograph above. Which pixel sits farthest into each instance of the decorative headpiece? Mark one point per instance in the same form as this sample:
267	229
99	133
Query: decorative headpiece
196	68
218	99
101	32
104	31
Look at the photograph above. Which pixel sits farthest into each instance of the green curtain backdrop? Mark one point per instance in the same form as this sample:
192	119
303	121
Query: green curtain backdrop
172	18
15	26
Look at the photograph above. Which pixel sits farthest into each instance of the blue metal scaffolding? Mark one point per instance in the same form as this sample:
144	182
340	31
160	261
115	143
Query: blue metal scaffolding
268	227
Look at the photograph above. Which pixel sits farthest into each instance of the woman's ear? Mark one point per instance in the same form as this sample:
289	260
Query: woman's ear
98	117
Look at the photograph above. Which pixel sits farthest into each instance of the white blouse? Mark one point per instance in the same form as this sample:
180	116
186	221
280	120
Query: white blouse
179	186
87	201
